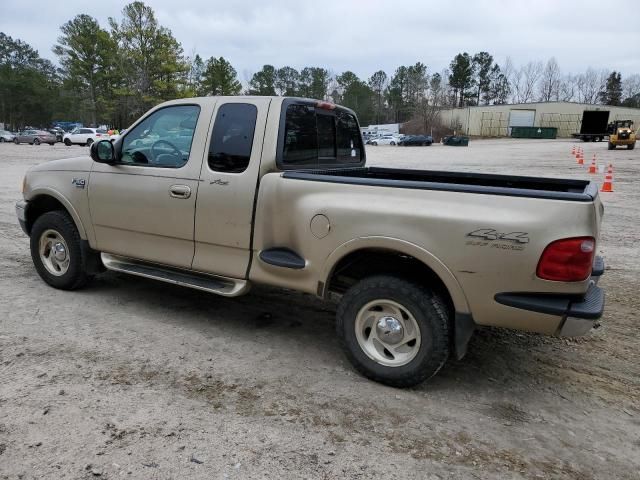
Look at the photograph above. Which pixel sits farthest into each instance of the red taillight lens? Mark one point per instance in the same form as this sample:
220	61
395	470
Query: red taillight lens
98	134
567	260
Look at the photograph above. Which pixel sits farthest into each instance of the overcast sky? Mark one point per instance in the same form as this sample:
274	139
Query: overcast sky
365	36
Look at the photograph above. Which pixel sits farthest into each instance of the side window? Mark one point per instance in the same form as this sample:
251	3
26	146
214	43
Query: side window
232	137
163	139
86	130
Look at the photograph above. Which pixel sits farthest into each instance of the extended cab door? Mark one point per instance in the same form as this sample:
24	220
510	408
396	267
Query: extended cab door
224	211
143	207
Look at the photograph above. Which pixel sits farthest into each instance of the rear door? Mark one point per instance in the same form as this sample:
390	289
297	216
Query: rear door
229	179
143	207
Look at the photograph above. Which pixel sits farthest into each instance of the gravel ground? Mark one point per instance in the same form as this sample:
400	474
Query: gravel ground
130	378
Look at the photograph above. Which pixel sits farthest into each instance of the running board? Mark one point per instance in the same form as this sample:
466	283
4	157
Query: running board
228	287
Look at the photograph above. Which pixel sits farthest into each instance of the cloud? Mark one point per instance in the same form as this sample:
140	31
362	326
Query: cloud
363	36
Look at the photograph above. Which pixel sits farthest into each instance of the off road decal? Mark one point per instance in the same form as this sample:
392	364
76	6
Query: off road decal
489	237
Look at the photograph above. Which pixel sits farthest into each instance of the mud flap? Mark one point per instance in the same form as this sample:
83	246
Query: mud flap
463	331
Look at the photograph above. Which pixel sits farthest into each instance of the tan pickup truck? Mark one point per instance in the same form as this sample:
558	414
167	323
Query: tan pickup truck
219	193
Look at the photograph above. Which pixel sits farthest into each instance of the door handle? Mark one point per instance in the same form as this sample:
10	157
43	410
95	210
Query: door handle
179	191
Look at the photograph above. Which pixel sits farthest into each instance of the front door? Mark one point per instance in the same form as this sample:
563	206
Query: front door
226	196
143	207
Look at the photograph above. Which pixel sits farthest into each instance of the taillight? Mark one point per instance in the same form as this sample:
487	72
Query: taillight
98	134
567	260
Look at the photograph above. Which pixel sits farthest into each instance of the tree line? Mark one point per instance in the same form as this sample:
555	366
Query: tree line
112	75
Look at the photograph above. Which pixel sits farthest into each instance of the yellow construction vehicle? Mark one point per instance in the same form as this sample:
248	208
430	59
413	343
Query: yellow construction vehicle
621	132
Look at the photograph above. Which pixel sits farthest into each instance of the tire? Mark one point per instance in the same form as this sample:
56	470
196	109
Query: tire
631	147
16	141
611	146
36	141
418	306
429	144
52	143
54	228
392	143
89	142
1	139
375	144
67	142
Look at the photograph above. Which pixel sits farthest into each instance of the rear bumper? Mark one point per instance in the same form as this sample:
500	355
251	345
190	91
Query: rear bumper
579	314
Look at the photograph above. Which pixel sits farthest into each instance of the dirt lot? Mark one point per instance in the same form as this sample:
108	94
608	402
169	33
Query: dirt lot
130	378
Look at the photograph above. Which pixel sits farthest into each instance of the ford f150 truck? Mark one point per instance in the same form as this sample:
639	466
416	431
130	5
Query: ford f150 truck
219	193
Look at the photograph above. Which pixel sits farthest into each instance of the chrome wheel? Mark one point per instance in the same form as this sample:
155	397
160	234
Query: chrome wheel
54	252
387	333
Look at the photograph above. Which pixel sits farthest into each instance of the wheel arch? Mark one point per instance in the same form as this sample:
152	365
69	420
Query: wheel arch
46	200
383	247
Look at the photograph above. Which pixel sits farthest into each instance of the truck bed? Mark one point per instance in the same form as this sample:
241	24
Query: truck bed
469	182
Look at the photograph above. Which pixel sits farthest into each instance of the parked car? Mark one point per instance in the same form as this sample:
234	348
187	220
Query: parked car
58	132
219	193
413	140
385	140
85	136
34	137
6	136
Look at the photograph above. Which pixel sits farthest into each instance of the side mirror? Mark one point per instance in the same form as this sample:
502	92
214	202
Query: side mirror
103	152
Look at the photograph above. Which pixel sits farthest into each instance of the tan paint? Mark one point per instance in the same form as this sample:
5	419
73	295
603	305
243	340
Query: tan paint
134	216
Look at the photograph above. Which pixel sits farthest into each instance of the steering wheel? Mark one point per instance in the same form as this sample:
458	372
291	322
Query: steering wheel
171	145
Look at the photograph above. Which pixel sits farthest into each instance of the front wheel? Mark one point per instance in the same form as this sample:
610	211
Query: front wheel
67	142
394	331
56	251
611	146
392	143
1	139
631	147
16	141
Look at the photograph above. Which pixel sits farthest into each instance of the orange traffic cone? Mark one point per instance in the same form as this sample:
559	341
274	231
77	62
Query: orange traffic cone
607	186
610	169
580	158
573	150
593	168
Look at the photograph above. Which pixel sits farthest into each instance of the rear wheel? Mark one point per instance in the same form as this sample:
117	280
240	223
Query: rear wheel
56	251
631	147
392	143
36	141
89	142
16	141
51	143
611	146
394	331
375	144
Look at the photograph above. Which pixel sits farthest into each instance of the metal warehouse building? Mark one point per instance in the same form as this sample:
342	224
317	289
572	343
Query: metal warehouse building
497	120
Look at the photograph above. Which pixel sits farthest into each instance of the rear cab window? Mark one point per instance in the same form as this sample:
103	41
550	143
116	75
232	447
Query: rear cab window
318	135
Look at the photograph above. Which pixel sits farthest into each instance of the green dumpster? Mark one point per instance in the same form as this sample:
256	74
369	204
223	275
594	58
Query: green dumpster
456	141
534	132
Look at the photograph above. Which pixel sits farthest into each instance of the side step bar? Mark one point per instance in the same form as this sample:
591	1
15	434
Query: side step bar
228	287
